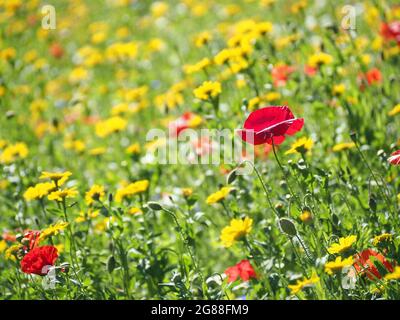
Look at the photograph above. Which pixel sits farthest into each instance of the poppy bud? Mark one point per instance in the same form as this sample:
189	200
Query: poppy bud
154	206
231	176
353	136
111	263
288	227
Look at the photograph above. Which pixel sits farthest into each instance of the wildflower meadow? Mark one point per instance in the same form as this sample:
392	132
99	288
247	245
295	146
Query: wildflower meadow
187	149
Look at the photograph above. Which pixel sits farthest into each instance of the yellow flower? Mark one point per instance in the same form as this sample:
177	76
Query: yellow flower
59	178
3	246
14	152
272	96
385	237
3	184
53	230
302	145
395	110
343	245
187	192
337	265
237	229
159	9
97	151
395	275
39	191
319	58
78	74
95	193
131	189
208	90
110	125
135	210
12	251
202	39
219	195
59	195
198	66
338	89
306	216
343	146
133	149
300	284
84	216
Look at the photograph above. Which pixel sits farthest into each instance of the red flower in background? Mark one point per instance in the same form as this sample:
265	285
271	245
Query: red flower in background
280	74
187	120
38	258
243	269
373	76
395	158
31	237
56	50
310	71
391	31
270	125
364	264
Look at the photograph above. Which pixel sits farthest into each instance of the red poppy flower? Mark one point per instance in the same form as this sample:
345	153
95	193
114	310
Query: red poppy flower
243	269
56	50
391	31
364	264
270	125
187	120
395	158
310	71
39	259
280	74
373	76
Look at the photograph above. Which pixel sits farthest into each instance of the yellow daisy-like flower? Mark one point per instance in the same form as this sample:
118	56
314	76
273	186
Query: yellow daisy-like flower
337	265
395	110
59	178
39	191
385	237
395	275
97	151
301	145
301	284
343	146
219	195
338	89
319	59
342	245
187	192
53	230
95	193
131	189
202	39
14	152
133	149
208	90
237	229
109	126
60	195
83	216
